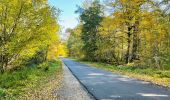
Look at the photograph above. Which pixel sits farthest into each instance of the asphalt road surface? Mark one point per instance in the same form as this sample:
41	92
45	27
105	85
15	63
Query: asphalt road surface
104	85
71	89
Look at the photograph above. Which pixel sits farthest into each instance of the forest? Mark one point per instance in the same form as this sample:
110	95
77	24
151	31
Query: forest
29	45
40	56
123	32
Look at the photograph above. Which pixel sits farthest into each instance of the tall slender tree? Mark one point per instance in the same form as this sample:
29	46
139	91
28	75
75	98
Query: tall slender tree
90	18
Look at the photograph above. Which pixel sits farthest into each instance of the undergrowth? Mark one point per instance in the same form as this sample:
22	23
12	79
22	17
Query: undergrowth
19	82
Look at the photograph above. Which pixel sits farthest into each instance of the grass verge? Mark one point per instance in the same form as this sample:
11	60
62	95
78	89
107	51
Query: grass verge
35	82
159	77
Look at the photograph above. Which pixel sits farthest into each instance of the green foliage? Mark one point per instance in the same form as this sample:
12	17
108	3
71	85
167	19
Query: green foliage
44	66
135	32
27	28
91	18
16	83
2	93
74	43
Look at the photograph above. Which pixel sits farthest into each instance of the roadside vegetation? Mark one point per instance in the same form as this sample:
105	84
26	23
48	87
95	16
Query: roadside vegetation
31	82
29	47
132	36
156	76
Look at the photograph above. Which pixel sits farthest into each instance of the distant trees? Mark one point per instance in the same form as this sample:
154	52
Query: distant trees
135	32
74	43
27	29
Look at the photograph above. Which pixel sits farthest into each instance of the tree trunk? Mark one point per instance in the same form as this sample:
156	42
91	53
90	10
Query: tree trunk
135	42
128	47
46	53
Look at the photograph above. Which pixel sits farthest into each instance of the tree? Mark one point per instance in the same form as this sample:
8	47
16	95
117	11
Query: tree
26	29
74	43
90	19
133	32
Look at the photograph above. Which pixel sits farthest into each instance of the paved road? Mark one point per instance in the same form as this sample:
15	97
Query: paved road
105	85
71	89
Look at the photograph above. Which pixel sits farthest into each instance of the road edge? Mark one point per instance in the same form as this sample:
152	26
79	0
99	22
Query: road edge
83	86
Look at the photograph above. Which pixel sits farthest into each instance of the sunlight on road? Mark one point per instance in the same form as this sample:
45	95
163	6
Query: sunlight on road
152	95
95	74
115	96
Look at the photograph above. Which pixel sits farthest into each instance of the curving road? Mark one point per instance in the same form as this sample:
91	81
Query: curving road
104	85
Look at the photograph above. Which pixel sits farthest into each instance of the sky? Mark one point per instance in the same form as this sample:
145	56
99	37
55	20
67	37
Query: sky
68	18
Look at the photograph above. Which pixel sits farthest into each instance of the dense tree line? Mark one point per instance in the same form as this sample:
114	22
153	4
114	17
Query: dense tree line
28	28
135	32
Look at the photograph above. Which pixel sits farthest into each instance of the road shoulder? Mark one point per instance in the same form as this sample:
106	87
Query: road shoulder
71	89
